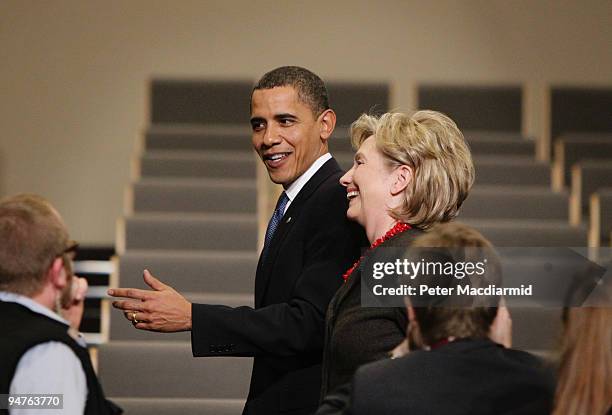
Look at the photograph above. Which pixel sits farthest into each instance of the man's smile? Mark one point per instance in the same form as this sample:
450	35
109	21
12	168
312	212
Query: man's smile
274	160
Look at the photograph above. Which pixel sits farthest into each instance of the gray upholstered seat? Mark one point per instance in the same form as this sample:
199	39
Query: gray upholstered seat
515	202
195	195
209	164
166	369
181	231
182	406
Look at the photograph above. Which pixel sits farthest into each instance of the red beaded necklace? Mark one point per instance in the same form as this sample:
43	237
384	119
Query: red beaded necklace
398	228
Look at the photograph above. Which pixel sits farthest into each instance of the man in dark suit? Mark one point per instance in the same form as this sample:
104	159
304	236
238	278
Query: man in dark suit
451	362
309	244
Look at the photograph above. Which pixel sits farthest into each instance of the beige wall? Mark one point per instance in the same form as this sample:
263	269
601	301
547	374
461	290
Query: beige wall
73	74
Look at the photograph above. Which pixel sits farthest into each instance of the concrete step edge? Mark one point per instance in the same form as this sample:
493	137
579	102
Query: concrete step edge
220	255
516	190
192	216
521	223
200	155
198	129
192	182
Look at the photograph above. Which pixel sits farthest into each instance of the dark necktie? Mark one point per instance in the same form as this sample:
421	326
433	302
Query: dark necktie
277	216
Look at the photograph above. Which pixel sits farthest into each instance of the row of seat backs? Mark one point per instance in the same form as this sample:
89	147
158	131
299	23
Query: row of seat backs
489	108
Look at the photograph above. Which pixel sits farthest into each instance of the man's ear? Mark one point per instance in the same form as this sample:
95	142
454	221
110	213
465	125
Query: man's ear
403	177
56	274
327	123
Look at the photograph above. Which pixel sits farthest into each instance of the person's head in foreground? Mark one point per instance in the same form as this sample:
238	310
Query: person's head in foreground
291	122
454	366
41	306
416	169
431	321
585	372
36	252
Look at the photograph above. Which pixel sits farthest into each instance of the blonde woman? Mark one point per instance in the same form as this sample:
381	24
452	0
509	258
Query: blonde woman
410	172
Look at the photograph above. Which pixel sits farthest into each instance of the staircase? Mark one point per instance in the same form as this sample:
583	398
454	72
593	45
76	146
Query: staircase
191	219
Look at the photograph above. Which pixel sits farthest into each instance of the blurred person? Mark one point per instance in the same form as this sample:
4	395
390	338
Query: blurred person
584	384
41	306
410	172
308	244
452	365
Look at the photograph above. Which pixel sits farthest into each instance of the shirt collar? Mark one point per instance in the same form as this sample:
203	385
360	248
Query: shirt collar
295	187
31	305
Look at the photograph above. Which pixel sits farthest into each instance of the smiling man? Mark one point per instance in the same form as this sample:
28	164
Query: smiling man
309	244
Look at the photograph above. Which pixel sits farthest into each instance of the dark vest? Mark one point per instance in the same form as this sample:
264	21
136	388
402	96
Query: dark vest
23	329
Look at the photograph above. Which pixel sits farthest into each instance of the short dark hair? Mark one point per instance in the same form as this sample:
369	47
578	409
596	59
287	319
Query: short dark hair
310	88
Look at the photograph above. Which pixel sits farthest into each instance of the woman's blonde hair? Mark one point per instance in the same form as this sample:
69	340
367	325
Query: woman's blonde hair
430	144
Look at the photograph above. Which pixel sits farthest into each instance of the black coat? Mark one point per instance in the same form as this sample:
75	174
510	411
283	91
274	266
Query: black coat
22	329
310	250
358	335
463	377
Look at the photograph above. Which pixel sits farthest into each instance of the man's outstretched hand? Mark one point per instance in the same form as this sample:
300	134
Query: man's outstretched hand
161	309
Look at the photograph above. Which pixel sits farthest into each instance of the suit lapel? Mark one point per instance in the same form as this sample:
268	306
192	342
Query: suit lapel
265	267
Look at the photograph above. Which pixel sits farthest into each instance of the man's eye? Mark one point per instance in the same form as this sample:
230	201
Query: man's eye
286	121
257	126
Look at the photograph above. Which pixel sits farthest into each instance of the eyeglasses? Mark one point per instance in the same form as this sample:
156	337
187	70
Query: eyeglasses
71	250
68	255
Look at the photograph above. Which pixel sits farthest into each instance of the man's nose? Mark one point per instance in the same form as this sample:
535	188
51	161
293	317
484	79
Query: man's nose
271	137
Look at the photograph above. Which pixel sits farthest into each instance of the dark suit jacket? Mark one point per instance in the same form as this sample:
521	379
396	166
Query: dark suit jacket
358	335
310	250
463	377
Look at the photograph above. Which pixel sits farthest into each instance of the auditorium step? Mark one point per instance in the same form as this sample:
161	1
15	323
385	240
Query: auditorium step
195	195
193	101
191	271
182	406
491	169
158	369
498	146
122	329
495	135
177	101
511	170
198	137
529	232
480	144
181	231
515	202
196	164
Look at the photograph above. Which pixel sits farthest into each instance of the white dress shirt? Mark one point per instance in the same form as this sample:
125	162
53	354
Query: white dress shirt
294	189
49	368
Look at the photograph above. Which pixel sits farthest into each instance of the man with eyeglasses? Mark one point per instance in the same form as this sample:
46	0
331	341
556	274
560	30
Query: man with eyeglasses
41	306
